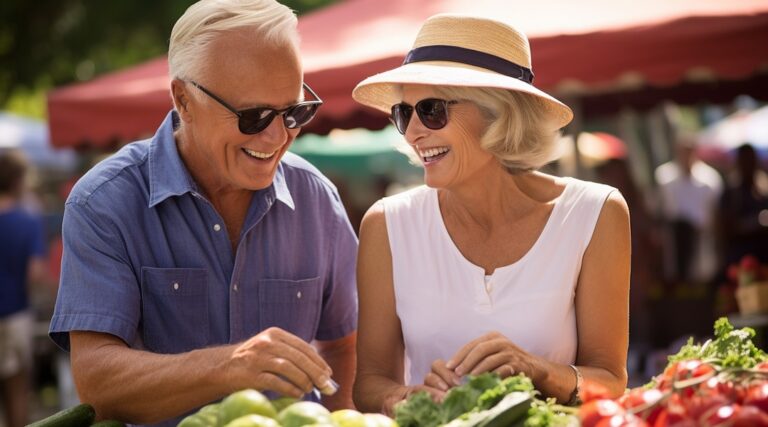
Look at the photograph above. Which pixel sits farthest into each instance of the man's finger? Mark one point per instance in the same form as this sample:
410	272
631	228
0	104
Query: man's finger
318	373
272	382
288	371
304	347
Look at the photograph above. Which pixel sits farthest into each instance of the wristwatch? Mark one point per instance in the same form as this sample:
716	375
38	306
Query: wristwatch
575	399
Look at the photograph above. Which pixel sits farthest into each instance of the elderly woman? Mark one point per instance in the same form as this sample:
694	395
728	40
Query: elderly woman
492	266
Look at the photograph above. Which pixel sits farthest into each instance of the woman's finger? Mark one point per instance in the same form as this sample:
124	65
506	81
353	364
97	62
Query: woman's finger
477	354
490	363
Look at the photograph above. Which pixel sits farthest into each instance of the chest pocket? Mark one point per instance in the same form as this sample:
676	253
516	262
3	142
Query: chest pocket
174	306
292	305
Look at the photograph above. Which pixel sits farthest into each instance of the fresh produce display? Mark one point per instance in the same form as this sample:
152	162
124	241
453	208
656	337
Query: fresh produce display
722	382
485	401
250	408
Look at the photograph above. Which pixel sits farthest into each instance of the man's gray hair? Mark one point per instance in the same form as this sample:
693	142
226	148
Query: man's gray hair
270	21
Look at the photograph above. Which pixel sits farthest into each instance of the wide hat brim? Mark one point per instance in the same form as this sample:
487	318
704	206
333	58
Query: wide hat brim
380	91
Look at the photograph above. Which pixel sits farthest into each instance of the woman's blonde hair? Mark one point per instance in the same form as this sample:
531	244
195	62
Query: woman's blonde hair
519	132
271	22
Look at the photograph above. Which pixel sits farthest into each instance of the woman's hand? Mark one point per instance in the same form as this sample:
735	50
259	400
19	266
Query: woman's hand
441	378
493	352
403	392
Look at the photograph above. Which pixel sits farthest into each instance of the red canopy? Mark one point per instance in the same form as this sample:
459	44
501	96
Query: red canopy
584	47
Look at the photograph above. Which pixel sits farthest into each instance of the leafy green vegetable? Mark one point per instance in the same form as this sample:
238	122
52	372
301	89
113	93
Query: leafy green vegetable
549	414
483	400
730	348
465	398
492	396
418	411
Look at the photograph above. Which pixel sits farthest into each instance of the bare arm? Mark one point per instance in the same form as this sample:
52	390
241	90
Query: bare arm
340	356
143	388
602	298
379	383
380	346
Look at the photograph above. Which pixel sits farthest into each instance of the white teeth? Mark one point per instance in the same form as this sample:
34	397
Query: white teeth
259	155
431	152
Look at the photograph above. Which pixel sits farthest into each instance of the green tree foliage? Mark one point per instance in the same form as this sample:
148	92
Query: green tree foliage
49	43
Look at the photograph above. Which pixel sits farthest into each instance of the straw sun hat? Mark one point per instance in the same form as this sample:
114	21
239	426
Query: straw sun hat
461	50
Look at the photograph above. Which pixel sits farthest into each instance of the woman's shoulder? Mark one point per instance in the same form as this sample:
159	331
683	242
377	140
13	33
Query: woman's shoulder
407	199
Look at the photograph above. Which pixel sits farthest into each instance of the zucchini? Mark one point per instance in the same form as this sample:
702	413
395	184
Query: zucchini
513	407
81	415
108	423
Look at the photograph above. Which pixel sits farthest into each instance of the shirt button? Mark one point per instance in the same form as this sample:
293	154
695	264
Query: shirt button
298	294
234	287
175	286
216	227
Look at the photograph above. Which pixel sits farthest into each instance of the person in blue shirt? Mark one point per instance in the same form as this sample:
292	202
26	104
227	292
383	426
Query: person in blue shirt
22	252
207	259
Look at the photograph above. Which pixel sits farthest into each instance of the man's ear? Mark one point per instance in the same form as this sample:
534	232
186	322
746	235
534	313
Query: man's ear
181	99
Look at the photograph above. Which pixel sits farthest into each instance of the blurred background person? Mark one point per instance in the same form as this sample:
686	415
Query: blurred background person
689	190
22	250
743	211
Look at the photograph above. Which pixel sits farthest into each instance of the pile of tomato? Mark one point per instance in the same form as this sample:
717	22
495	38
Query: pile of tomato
687	393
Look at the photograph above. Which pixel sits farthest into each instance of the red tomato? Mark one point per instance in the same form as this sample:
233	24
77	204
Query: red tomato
623	420
762	366
594	411
750	416
757	395
683	371
669	418
650	398
720	416
591	390
716	387
697	407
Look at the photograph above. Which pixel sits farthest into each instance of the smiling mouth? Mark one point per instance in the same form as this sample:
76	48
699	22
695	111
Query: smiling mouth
258	154
434	154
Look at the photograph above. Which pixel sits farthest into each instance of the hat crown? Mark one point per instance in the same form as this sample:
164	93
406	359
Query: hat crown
476	33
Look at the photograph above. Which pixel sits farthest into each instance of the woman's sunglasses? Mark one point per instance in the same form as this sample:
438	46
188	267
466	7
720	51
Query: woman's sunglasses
432	112
255	120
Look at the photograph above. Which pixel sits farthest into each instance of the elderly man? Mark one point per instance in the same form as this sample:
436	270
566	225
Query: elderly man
207	259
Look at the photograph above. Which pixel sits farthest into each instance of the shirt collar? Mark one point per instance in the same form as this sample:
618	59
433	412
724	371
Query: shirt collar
167	174
281	187
169	177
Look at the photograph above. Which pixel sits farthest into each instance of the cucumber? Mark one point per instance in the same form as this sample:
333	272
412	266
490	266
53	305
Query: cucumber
513	407
81	415
108	423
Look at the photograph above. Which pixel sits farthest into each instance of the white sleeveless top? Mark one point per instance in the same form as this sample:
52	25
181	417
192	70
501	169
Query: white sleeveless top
444	301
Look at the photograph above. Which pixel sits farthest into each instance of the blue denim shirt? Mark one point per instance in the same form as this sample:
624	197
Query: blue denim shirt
147	258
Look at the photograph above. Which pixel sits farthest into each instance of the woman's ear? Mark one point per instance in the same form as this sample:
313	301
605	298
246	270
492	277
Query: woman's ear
181	99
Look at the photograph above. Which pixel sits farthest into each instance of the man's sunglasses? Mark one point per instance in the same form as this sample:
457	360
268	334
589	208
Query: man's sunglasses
432	112
255	120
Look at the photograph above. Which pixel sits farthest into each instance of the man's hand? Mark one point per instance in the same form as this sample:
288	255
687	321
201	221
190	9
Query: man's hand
493	352
279	361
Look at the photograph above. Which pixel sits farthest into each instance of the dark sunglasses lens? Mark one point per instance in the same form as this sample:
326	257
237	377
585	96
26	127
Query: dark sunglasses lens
432	113
401	115
255	120
299	115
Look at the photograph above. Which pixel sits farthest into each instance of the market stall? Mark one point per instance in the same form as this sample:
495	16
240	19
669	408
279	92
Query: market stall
628	54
